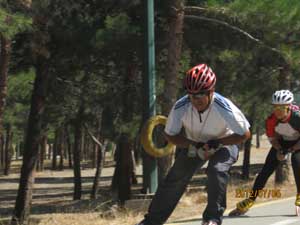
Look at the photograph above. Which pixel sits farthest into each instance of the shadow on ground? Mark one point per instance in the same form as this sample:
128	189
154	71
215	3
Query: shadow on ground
59	199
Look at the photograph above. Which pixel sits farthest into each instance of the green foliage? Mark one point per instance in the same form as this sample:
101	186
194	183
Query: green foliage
131	128
20	86
276	22
18	101
116	28
93	46
215	3
13	23
247	70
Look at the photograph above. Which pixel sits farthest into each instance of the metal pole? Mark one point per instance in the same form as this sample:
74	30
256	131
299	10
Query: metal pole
149	163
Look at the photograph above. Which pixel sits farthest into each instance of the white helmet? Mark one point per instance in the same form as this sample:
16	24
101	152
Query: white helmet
282	97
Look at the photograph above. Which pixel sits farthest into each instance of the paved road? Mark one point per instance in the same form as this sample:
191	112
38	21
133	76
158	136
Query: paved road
281	212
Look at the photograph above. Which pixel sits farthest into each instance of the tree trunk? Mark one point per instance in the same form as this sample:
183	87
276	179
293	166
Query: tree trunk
257	137
129	91
122	178
4	66
17	151
100	162
21	148
61	147
8	150
282	171
84	146
49	150
37	167
175	21
95	155
99	168
247	146
40	161
96	150
43	151
54	150
82	149
100	151
2	151
35	131
77	154
246	160
69	146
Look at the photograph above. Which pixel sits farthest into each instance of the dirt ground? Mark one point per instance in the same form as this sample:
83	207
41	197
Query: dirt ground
53	204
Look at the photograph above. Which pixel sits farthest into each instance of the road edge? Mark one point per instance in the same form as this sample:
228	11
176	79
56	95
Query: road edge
257	205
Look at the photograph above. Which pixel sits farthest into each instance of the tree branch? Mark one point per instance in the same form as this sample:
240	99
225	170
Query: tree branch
201	9
260	91
244	33
92	136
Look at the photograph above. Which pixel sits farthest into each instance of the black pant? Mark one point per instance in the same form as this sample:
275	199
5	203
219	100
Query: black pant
171	189
269	167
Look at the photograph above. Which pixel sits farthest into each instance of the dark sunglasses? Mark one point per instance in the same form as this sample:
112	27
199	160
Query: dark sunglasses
281	107
199	95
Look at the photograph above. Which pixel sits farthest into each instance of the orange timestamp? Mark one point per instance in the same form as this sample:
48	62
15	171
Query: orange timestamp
262	193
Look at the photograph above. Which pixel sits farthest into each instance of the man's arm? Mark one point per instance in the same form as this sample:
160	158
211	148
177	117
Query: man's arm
280	155
234	138
295	147
273	137
179	140
182	141
275	141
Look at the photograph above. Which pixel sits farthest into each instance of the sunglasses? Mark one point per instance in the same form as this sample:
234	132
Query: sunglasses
199	95
281	107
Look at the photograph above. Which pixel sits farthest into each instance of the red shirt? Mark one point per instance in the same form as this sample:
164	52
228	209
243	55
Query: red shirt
289	128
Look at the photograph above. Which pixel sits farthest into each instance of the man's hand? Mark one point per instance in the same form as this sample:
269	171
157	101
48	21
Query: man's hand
204	153
280	155
213	144
199	144
203	150
206	150
194	148
295	147
199	149
192	151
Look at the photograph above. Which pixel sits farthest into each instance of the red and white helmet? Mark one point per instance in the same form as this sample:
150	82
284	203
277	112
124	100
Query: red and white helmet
199	78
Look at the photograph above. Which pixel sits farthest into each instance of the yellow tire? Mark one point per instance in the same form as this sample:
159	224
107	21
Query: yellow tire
146	138
297	202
